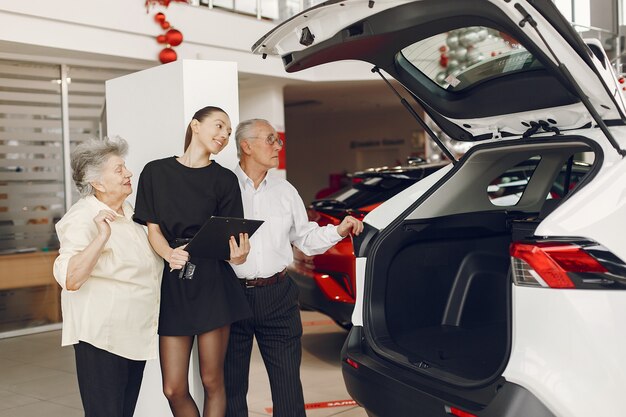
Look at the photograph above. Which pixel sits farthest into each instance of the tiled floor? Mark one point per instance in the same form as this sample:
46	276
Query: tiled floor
38	377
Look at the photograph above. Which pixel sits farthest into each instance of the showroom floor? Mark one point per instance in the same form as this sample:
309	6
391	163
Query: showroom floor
38	377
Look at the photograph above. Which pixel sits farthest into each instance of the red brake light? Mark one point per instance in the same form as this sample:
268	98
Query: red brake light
352	363
459	413
550	262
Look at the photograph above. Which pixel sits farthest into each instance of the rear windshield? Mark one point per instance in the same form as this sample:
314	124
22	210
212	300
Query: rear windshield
464	57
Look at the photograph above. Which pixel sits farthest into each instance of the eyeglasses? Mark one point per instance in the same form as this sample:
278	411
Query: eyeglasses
272	139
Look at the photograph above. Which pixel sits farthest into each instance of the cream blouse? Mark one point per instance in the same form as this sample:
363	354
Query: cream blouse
117	308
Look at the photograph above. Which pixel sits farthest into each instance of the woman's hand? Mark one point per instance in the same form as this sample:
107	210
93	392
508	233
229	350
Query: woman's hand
178	257
239	253
81	265
102	220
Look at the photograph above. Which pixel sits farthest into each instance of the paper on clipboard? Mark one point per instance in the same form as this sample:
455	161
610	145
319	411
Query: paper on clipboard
211	241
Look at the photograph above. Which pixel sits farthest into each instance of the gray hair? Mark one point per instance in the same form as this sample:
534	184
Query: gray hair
88	158
245	131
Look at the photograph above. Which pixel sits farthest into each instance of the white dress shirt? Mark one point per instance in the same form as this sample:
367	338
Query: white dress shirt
278	203
117	308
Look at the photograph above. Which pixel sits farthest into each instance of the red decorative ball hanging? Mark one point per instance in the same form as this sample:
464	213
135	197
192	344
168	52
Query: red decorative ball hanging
167	55
443	60
174	37
171	37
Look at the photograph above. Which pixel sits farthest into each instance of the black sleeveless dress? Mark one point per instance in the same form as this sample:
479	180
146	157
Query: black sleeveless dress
180	199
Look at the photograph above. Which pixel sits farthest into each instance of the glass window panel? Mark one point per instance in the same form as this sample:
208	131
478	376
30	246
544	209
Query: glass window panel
226	4
464	57
508	188
32	195
246	6
270	9
31	156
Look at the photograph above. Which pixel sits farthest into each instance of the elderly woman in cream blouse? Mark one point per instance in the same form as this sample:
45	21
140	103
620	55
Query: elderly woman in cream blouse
111	282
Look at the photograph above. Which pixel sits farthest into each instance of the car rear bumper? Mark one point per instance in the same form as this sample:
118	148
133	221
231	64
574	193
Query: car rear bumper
312	297
383	391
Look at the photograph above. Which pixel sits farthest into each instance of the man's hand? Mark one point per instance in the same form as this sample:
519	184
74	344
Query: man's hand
239	253
350	226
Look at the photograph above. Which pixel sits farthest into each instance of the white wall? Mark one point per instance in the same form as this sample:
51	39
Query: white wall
264	102
320	143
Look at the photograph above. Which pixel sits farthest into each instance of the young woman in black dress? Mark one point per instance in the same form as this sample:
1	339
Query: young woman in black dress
176	195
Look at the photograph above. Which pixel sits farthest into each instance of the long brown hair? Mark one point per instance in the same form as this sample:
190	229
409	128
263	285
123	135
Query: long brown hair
200	115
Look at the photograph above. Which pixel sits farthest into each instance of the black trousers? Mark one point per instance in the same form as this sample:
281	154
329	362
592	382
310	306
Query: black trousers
109	384
277	326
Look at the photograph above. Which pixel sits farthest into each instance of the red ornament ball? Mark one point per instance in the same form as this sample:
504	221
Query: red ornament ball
167	55
165	24
174	37
159	17
443	60
161	39
442	48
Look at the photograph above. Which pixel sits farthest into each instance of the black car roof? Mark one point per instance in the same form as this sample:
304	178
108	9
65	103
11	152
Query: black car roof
401	172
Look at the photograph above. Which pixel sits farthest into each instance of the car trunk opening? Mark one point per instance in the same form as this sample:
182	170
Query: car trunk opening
452	315
439	286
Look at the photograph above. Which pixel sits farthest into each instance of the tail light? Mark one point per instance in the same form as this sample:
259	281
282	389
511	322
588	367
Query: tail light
559	264
352	363
458	412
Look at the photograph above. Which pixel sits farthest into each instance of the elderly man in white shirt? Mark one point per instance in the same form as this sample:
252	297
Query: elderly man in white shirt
111	282
272	295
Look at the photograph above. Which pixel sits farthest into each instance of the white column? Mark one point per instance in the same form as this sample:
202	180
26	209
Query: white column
151	110
266	102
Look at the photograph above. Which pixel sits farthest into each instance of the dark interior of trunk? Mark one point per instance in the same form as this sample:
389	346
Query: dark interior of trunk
440	302
447	294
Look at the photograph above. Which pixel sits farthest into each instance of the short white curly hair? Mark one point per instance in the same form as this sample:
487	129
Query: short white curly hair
88	158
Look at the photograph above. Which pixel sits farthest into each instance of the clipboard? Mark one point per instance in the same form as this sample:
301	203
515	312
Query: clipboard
211	241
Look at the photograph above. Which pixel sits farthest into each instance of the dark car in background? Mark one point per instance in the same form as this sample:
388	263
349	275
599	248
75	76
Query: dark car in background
327	281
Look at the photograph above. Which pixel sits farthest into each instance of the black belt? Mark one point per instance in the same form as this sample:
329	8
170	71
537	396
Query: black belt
264	282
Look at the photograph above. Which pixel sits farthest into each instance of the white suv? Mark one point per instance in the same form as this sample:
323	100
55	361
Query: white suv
471	304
